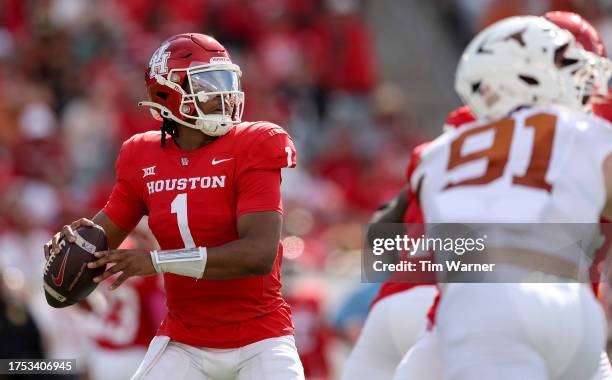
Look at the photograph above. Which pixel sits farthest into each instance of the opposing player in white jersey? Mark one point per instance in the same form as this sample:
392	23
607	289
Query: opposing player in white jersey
397	315
532	157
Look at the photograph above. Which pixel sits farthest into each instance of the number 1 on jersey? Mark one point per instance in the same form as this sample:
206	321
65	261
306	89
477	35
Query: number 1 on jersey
179	207
289	160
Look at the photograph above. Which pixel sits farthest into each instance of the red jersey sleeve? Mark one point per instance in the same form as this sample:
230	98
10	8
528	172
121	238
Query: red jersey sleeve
272	148
259	175
413	212
125	206
259	190
414	160
458	117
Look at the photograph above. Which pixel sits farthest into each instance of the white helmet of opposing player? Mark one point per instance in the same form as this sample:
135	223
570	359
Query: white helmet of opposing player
523	61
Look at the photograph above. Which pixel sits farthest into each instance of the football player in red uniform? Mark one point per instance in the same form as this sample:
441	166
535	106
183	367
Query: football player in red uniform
210	185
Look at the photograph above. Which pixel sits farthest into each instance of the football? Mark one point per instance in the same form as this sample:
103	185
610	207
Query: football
67	279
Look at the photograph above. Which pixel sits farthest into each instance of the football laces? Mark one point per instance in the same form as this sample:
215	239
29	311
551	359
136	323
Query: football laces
48	263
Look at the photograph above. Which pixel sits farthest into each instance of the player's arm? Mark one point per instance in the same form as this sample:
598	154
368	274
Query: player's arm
253	253
386	223
391	212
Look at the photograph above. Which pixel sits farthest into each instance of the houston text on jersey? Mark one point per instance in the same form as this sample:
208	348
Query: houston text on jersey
180	184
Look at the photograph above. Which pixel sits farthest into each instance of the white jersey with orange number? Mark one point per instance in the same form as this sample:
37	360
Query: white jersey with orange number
541	165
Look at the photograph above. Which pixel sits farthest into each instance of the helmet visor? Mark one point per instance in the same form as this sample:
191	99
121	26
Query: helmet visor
215	81
217	92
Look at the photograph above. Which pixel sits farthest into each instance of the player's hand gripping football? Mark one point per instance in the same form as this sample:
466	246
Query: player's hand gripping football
130	262
52	246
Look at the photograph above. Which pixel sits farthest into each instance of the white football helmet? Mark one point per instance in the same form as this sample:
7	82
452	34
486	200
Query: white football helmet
523	61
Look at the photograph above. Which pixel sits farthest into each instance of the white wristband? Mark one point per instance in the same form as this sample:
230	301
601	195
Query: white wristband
189	262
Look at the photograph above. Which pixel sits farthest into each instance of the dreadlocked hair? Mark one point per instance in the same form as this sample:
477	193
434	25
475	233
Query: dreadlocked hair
168	126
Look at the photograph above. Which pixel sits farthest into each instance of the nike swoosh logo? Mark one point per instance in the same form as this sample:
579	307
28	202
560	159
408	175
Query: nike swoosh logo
215	161
59	279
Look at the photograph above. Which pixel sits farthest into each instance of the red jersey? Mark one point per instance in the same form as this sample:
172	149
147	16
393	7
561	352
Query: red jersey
194	199
414	214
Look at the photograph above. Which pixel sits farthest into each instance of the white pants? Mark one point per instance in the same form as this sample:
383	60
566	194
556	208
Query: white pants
114	364
268	359
520	331
392	327
422	362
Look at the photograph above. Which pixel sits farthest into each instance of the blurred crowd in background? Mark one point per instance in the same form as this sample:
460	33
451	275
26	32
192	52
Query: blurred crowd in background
72	72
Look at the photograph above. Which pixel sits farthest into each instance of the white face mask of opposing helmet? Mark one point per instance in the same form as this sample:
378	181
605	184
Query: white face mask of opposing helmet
602	81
